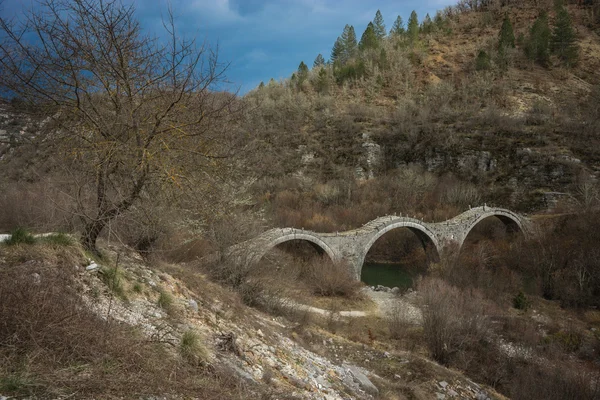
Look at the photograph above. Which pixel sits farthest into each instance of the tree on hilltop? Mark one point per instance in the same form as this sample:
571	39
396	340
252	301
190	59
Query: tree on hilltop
378	25
398	27
369	38
319	61
413	28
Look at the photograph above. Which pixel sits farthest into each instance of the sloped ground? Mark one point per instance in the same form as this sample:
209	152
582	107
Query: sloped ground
268	357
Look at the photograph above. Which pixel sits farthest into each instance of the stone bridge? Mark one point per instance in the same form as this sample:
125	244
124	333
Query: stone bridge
352	246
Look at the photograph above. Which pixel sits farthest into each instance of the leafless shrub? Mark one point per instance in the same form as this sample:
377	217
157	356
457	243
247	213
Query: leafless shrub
452	320
327	278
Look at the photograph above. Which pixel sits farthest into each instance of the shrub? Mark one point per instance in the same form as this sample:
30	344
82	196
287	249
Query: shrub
113	278
453	321
20	236
520	302
326	278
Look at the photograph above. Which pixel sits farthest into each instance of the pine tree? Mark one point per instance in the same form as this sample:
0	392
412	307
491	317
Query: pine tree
369	38
537	45
322	82
302	69
438	20
563	40
378	25
413	27
398	27
349	42
483	62
337	53
427	24
506	38
319	61
261	85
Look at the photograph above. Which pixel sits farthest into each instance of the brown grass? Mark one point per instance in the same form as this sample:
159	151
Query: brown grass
51	346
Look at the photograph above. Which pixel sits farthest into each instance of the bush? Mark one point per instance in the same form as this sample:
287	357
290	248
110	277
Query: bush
20	236
326	278
520	302
453	321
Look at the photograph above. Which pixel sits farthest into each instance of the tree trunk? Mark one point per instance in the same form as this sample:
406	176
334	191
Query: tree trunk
90	234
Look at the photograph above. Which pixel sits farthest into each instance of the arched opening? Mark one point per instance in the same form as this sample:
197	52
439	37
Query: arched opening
306	266
492	229
397	257
482	258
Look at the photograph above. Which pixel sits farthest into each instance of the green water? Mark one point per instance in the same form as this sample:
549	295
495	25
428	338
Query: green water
389	275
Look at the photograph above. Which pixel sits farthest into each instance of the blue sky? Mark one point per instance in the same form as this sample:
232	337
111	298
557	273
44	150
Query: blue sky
265	39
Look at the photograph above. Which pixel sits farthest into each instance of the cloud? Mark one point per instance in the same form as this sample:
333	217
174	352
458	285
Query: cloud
215	12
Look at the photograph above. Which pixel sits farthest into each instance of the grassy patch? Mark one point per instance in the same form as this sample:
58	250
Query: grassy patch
165	300
192	349
113	278
20	236
58	239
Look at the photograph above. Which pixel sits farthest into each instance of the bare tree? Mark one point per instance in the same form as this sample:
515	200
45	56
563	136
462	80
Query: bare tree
128	109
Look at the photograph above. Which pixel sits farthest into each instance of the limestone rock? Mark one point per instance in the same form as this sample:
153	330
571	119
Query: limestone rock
362	380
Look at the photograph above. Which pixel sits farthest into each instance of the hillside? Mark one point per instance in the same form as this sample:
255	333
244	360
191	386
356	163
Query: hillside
150	190
522	132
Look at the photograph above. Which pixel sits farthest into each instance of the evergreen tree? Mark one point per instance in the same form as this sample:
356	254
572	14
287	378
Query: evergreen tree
322	82
413	27
427	24
538	42
369	38
438	20
261	85
378	25
337	53
319	61
506	38
483	62
563	40
383	59
302	70
349	42
398	27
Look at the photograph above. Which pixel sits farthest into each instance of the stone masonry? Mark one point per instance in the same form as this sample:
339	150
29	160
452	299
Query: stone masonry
351	247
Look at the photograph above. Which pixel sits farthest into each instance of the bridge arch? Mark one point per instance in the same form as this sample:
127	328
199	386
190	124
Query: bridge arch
512	221
300	235
426	236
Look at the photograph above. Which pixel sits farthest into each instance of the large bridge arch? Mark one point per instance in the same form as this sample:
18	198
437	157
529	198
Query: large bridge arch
512	221
427	238
313	239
